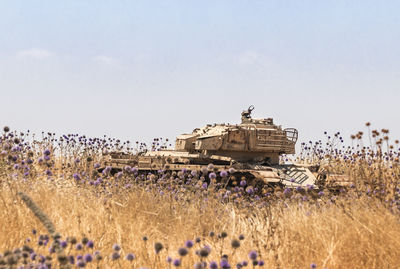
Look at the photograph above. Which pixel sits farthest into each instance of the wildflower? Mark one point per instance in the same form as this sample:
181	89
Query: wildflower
204	170
321	193
90	244
235	243
79	246
204	252
241	237
177	263
6	129
115	256
158	247
107	170
46	152
88	258
249	190
81	264
189	243
212	175
213	265
76	177
63	244
130	257
224	264
169	259
313	266
182	251
253	255
96	165
134	170
223	174
243	183
210	167
261	263
116	247
33	256
204	185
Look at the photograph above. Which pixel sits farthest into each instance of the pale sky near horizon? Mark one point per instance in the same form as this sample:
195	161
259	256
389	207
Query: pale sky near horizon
142	69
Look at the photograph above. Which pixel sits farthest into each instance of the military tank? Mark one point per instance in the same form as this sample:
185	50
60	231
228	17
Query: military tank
250	150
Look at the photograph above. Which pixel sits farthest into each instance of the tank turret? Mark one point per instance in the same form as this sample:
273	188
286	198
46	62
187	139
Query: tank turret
253	140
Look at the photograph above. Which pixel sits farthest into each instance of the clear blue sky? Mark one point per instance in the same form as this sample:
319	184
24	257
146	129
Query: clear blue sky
143	69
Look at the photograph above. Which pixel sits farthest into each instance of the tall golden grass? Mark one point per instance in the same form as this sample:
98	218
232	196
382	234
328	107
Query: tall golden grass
349	233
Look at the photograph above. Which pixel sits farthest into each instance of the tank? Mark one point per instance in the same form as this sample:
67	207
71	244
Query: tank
250	149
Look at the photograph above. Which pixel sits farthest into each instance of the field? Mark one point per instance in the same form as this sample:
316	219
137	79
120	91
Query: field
59	211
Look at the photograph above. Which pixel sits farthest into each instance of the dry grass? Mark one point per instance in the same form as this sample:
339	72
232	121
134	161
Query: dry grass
357	233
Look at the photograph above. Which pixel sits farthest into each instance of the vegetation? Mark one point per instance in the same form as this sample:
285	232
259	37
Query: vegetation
59	211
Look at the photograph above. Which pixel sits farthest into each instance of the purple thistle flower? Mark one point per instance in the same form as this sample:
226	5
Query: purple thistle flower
213	265
46	157
313	266
287	191
134	170
107	170
261	263
49	173
245	263
243	183
33	256
115	256
177	262
250	190
189	243
63	244
88	258
46	152
182	251
224	264
90	244
212	175
81	264
130	257
253	255
79	246
223	174
204	185
116	247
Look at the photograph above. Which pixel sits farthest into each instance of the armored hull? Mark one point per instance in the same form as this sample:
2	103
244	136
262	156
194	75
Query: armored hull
249	150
